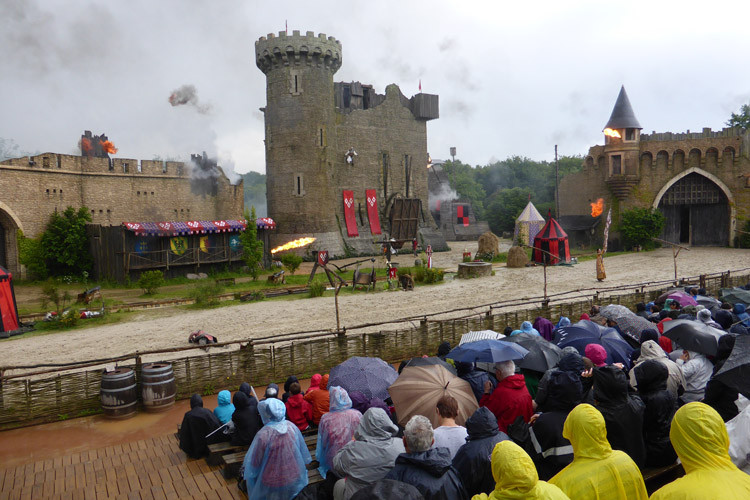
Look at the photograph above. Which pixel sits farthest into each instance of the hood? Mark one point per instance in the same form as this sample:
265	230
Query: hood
339	399
444	349
649	334
289	381
271	411
651	350
481	424
515	381
375	426
379	403
651	376
225	398
245	387
725	346
527	328
295	401
596	353
724	318
514	472
610	385
463	368
571	362
704	315
586	431
315	380
323	382
700	438
563	322
564	391
543	325
241	401
359	401
196	401
585	316
739	309
435	461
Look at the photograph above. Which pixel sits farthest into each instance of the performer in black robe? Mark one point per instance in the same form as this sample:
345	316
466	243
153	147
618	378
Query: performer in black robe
196	425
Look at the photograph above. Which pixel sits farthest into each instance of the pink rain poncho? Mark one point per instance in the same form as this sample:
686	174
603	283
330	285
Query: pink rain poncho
336	428
275	463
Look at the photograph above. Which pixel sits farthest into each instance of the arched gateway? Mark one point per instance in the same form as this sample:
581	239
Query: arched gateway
9	226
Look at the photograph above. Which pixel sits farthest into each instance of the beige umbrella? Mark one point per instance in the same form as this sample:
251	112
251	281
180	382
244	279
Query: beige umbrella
417	390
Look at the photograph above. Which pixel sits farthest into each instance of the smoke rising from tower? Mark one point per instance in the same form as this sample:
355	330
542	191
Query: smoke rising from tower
187	95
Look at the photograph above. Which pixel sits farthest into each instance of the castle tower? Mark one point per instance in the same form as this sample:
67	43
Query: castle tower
299	115
621	146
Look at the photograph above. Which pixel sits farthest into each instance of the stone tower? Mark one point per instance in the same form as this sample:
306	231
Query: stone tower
621	144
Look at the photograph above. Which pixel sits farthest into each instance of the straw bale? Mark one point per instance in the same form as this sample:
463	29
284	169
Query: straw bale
517	257
488	243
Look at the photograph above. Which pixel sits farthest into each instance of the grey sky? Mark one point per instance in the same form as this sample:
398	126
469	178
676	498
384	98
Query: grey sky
514	78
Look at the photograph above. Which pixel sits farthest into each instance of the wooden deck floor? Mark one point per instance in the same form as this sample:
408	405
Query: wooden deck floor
153	468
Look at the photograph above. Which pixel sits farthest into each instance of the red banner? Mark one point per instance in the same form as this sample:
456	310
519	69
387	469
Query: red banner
372	211
351	221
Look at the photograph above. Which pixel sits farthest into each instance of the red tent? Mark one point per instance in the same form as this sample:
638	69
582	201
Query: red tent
551	244
8	308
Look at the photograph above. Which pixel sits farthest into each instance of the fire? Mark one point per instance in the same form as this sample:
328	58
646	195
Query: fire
85	146
597	208
612	133
108	147
302	242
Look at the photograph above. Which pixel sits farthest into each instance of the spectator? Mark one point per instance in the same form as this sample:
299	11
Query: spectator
319	399
289	381
449	434
472	462
570	361
426	468
272	391
562	323
640	310
651	377
697	371
704	316
370	456
526	327
246	419
742	315
475	378
650	350
516	477
225	409
274	466
597	471
596	353
510	399
336	428
545	327
314	383
720	396
388	488
196	425
298	410
700	439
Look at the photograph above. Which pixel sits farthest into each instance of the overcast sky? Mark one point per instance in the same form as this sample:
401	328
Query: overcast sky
514	78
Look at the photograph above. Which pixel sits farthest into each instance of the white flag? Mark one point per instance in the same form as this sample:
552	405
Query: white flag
606	230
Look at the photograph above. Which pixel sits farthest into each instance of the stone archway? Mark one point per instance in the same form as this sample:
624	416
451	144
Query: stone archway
9	226
699	209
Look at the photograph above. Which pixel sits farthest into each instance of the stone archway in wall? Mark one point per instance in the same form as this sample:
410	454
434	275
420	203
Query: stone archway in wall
9	226
699	209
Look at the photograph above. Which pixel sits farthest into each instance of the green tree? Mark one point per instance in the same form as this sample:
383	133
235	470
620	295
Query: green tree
150	281
639	225
31	254
462	178
252	247
65	243
254	185
291	262
741	119
504	207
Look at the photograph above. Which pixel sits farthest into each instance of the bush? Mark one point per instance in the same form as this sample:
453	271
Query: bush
486	257
745	237
419	274
403	271
65	242
31	255
206	293
69	318
434	275
639	225
316	289
150	281
252	247
291	262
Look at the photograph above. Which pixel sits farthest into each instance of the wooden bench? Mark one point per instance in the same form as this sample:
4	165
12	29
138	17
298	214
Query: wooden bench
225	281
657	477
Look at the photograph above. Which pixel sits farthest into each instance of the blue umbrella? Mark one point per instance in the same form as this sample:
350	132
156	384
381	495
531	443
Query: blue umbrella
584	333
370	376
487	351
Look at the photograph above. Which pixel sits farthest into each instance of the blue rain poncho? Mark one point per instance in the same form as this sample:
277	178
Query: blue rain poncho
275	463
225	409
336	428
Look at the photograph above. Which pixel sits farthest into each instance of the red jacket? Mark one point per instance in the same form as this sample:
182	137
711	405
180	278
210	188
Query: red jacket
299	411
509	400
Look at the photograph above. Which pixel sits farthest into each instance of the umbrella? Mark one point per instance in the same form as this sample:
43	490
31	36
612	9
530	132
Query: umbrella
488	351
736	370
682	298
613	311
480	335
584	333
707	302
542	355
429	361
735	295
632	325
417	390
370	376
693	335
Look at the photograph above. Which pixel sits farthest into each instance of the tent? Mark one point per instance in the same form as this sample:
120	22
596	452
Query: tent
528	225
8	308
553	240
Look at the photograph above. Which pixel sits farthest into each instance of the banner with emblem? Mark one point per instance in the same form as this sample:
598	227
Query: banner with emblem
349	217
141	246
372	211
206	244
178	245
234	243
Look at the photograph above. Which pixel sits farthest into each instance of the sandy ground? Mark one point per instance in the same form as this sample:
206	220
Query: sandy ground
170	328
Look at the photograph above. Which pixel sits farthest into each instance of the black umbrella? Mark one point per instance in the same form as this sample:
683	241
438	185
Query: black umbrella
736	370
735	295
707	302
542	355
431	360
693	335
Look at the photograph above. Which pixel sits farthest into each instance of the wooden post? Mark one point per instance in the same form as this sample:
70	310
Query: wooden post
336	302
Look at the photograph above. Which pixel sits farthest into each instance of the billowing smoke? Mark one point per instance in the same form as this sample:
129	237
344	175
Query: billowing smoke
445	193
187	96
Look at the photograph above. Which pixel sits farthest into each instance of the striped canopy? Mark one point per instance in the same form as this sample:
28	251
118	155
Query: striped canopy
528	225
551	244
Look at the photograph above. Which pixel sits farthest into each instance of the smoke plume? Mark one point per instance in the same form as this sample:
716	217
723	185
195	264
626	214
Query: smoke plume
187	96
446	193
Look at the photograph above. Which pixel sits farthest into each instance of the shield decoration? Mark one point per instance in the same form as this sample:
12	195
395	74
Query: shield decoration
234	243
178	245
141	246
206	244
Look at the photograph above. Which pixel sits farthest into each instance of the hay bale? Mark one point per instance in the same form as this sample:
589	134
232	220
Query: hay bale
517	257
488	243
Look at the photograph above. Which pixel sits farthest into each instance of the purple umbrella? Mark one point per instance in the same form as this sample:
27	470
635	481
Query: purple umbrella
370	376
681	298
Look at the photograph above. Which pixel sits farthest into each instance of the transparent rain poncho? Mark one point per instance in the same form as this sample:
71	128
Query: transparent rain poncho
336	428
275	463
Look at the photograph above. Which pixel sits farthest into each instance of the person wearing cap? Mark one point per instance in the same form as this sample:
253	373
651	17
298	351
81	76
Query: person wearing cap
597	354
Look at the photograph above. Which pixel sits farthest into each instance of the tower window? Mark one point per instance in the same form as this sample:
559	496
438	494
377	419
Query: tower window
45	161
321	137
59	161
295	82
616	164
299	185
407	174
385	175
629	134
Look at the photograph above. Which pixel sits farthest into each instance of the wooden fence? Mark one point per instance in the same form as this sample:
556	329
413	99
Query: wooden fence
73	390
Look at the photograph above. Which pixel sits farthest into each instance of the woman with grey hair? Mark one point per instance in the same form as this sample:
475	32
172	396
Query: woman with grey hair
510	399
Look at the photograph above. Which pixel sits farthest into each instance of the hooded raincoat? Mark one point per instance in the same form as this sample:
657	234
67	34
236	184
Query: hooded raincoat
597	471
475	378
742	315
509	400
651	377
299	411
652	350
275	463
526	327
246	419
697	371
336	428
545	327
701	441
516	477
430	472
196	424
371	455
473	459
319	399
570	362
719	395
225	409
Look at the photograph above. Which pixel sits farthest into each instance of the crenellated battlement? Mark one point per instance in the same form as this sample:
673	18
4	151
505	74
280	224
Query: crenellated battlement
706	133
273	51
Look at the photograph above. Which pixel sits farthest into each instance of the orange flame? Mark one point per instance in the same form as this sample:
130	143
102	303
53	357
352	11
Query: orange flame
302	242
597	208
108	147
612	133
85	146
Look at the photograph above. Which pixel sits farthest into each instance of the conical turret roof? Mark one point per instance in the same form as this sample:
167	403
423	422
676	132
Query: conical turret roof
622	114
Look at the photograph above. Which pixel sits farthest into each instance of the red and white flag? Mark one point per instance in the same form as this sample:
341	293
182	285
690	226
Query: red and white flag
606	230
420	85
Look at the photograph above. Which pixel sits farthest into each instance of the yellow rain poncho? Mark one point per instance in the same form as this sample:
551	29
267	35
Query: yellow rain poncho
700	439
516	477
597	471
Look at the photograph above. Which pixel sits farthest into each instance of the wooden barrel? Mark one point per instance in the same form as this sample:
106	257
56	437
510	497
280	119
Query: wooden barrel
157	386
119	393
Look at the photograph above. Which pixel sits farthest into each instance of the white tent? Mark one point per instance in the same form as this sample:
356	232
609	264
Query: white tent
528	224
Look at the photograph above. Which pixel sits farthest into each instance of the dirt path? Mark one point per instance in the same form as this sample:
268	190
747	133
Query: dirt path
262	319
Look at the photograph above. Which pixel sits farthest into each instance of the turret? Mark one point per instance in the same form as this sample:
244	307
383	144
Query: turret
621	147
